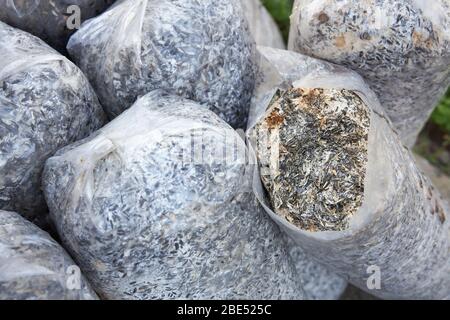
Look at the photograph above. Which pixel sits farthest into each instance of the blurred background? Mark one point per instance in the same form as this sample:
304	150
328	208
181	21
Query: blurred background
434	141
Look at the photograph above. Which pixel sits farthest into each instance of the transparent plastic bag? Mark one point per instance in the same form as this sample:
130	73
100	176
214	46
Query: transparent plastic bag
262	26
201	50
400	228
48	20
319	282
159	204
45	104
401	48
35	267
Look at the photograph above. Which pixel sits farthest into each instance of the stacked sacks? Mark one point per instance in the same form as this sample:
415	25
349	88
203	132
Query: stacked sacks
34	267
52	21
201	50
45	103
158	204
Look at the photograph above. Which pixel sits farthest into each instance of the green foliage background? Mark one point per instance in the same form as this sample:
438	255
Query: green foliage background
281	11
441	116
434	142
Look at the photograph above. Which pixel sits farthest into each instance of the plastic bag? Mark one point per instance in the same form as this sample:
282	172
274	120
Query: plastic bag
262	26
201	50
159	204
49	20
398	231
319	282
45	104
401	48
34	267
277	69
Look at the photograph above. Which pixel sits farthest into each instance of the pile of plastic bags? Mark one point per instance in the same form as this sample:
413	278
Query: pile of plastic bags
155	190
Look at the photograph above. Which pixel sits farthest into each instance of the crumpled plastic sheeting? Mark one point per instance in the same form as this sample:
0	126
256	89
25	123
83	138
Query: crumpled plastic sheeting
35	267
45	103
201	50
145	219
48	19
280	68
262	26
401	48
402	228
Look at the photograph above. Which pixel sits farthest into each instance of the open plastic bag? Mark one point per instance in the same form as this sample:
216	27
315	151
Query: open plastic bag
45	103
387	230
159	204
50	20
201	50
35	267
400	47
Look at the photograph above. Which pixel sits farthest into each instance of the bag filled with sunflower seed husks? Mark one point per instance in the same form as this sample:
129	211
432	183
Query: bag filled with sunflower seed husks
46	103
400	47
337	179
33	266
159	204
201	50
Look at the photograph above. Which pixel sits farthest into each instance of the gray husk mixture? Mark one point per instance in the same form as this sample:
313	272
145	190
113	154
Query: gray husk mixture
35	267
201	50
146	220
46	103
401	48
